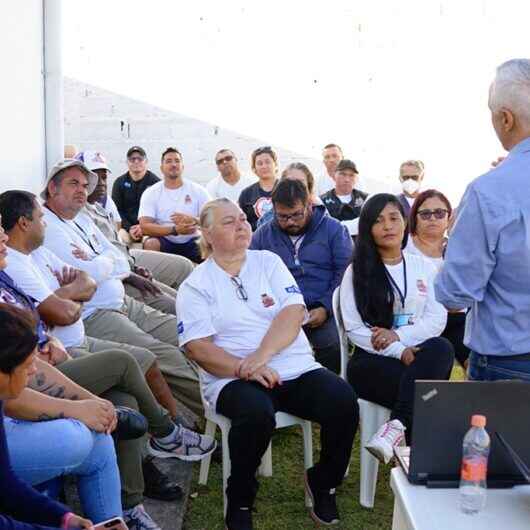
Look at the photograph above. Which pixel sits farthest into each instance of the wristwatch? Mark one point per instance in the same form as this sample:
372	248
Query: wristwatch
174	230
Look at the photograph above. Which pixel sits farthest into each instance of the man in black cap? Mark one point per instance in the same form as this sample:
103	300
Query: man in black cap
127	191
344	202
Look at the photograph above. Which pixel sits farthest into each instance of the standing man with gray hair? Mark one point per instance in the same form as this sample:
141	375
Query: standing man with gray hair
487	263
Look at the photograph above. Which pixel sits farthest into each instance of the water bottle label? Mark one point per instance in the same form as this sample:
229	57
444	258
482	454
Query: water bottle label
474	470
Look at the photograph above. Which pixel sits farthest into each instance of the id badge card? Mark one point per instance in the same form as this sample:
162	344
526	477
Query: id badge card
402	319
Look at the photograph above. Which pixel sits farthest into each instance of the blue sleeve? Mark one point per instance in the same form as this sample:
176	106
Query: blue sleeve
470	255
20	500
256	241
341	255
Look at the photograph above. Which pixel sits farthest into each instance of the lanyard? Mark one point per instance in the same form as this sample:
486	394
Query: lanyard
297	243
402	295
80	231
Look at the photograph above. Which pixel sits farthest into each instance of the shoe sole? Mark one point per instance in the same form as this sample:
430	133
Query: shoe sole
185	458
312	513
377	454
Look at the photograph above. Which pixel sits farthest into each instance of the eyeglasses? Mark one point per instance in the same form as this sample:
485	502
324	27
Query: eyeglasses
296	216
439	213
240	290
227	158
136	159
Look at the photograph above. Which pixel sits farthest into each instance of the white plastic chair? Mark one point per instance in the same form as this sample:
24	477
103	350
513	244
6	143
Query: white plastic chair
372	416
214	420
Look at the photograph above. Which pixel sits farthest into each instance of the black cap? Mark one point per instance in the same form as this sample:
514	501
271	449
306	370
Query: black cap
346	164
136	149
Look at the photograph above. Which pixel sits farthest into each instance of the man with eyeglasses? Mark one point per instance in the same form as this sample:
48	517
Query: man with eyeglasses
411	174
229	183
344	202
316	249
128	190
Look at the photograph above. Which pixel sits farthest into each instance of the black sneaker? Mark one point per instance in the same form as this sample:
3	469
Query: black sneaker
238	518
157	484
324	510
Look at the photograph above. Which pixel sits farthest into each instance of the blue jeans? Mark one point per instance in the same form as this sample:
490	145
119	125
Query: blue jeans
41	451
494	368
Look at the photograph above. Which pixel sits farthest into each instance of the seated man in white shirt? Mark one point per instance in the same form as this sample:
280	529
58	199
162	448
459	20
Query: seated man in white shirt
242	314
229	183
154	275
110	314
169	210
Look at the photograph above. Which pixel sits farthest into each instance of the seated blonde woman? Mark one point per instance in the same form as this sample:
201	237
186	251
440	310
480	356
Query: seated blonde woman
242	314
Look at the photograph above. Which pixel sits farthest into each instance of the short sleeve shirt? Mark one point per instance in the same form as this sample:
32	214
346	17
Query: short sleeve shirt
210	306
255	202
33	273
160	203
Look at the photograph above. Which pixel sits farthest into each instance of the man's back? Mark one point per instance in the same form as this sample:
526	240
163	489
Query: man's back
488	258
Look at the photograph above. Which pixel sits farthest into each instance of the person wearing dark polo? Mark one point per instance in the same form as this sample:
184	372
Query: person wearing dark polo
127	191
344	202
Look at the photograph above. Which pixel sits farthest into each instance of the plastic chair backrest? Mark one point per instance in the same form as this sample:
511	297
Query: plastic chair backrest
343	337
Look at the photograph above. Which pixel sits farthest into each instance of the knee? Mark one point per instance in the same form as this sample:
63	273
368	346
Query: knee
341	402
258	415
103	451
76	442
151	243
441	348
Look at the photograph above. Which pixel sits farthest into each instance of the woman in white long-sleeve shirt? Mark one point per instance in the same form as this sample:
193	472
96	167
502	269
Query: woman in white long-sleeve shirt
391	316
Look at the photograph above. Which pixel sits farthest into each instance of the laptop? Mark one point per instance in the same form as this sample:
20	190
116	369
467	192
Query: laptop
442	416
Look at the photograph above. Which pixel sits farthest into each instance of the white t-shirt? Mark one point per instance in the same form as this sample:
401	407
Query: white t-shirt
421	318
160	203
208	305
219	188
33	273
345	199
112	210
325	183
106	265
411	248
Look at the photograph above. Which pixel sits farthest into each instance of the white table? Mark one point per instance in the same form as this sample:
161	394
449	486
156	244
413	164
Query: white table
419	508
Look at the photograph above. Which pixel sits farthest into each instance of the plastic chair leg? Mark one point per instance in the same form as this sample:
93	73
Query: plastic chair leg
308	453
226	465
265	468
205	462
372	417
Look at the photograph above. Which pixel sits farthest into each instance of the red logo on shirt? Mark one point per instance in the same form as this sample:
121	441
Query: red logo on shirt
187	199
266	300
422	288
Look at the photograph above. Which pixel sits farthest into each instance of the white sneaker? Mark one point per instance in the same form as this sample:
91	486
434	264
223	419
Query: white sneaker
138	519
391	434
185	445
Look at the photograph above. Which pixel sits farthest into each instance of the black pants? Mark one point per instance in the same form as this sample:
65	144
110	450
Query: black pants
390	383
325	343
454	333
318	395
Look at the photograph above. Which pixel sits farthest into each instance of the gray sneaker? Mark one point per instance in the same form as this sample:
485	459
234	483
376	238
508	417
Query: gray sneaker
138	519
187	445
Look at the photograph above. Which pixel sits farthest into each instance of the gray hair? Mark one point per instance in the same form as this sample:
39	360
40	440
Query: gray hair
511	89
206	221
418	164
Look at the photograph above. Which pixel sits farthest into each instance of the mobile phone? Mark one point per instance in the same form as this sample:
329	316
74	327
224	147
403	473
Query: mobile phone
116	523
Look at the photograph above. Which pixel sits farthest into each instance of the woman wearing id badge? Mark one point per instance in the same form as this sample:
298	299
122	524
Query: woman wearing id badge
392	318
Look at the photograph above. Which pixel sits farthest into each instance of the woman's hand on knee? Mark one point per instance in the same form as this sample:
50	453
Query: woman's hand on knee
268	377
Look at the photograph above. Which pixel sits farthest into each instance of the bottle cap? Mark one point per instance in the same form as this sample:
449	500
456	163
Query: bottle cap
478	420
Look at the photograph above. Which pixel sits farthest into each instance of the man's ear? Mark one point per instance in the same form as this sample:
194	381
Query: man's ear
507	120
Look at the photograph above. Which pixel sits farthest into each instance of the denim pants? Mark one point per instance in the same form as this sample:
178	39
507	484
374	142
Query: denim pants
41	451
326	344
319	396
495	367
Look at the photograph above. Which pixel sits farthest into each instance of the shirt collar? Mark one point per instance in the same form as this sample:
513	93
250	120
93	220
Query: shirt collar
521	147
11	252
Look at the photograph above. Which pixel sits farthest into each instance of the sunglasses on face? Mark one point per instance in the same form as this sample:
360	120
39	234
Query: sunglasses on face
227	158
284	218
439	213
136	159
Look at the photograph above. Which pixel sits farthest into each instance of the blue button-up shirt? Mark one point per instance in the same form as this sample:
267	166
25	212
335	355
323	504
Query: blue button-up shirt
487	263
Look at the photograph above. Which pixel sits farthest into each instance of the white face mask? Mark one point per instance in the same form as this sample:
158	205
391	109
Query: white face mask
410	186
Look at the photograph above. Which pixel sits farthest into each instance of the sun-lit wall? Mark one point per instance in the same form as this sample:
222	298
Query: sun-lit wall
22	147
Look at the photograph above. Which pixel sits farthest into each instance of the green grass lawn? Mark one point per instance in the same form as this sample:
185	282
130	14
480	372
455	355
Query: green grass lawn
280	502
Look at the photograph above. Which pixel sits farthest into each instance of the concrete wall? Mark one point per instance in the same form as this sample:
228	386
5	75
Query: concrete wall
22	139
111	123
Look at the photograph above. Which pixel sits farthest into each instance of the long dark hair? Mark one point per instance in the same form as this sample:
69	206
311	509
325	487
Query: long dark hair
374	296
19	336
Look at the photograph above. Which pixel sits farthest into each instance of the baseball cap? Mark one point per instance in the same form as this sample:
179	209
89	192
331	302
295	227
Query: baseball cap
66	163
93	160
136	149
345	164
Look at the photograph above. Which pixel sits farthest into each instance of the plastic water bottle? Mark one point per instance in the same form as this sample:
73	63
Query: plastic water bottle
475	454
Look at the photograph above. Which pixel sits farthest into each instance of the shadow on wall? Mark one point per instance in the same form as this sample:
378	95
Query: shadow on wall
100	120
